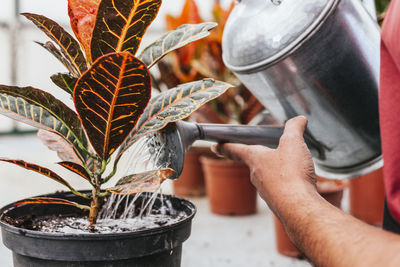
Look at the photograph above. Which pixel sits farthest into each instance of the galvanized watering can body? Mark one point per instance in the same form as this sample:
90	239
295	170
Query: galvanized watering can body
320	59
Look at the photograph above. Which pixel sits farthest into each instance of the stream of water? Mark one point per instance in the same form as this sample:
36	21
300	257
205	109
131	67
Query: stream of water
128	213
143	156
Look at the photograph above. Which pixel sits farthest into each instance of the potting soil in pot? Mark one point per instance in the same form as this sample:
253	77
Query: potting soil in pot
155	245
119	214
73	225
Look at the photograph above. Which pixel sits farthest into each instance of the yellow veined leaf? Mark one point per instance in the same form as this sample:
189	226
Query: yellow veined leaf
51	47
43	111
65	81
120	25
109	99
68	45
173	105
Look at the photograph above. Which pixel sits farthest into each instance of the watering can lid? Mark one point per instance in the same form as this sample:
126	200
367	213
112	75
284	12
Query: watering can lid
260	32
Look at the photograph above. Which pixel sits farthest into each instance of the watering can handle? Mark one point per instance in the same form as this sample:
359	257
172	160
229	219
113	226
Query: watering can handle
370	7
250	135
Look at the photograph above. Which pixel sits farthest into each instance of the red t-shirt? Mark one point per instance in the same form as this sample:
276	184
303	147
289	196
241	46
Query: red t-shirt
389	106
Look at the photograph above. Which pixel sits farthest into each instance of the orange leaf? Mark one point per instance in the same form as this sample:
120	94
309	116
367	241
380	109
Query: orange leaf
82	15
189	15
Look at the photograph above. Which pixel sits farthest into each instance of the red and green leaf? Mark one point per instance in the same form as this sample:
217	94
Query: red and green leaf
42	110
65	81
50	200
121	24
44	171
173	105
82	15
76	168
173	40
54	142
68	45
36	168
141	182
109	99
50	47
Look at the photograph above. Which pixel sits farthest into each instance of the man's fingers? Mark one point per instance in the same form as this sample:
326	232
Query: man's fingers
294	128
233	151
238	152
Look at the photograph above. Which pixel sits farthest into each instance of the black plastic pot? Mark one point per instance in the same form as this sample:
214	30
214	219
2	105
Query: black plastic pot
160	246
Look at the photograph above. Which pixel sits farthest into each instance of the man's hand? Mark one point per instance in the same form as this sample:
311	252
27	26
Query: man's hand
286	181
277	173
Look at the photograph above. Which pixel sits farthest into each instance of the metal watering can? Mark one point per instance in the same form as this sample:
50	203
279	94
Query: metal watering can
317	58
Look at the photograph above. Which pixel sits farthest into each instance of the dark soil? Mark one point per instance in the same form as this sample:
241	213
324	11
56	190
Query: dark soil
71	220
78	223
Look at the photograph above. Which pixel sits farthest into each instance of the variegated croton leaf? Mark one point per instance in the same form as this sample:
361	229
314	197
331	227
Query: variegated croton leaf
76	168
175	39
50	200
65	81
44	171
50	47
141	182
173	105
42	110
120	25
109	99
54	142
82	14
68	45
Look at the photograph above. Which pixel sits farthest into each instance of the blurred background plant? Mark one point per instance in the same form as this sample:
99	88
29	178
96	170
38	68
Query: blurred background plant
204	59
381	7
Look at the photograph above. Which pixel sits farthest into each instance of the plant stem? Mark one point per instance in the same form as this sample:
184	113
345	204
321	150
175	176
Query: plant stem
101	195
80	194
95	204
111	174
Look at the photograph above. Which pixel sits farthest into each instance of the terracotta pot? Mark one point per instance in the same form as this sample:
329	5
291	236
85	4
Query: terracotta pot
367	197
330	190
229	187
283	244
191	182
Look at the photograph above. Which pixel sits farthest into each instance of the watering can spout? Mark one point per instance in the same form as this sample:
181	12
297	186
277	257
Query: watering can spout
179	136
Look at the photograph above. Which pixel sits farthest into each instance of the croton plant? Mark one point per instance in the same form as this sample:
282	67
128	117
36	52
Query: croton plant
204	59
110	85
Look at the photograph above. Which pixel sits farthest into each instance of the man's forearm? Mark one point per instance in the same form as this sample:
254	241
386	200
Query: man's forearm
285	179
330	237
